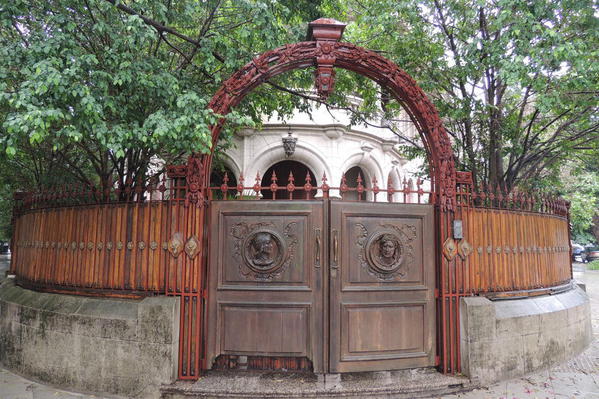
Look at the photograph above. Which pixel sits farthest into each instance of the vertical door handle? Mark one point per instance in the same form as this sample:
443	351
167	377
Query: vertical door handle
317	231
335	264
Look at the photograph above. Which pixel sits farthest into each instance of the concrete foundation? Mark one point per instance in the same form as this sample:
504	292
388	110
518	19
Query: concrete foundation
129	347
508	338
123	347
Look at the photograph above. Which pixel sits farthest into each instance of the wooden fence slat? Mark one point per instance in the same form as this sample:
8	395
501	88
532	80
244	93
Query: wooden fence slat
533	249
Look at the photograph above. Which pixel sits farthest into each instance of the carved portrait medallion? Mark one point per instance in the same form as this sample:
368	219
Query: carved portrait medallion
387	253
262	251
384	252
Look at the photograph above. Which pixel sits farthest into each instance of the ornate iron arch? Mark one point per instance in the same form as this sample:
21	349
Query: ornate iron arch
324	53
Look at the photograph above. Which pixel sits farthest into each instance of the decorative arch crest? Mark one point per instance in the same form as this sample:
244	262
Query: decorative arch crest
325	52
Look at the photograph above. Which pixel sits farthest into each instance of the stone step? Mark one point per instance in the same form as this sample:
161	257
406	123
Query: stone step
413	383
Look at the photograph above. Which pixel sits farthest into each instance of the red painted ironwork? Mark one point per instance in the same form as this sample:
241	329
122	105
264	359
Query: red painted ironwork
128	211
184	196
323	190
365	62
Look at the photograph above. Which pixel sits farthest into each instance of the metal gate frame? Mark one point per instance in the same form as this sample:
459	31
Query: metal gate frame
324	52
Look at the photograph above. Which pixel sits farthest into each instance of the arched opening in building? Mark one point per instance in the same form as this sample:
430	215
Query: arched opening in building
282	172
353	177
217	178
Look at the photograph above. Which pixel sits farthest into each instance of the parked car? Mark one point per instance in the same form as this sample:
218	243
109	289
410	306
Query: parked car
578	253
4	248
592	253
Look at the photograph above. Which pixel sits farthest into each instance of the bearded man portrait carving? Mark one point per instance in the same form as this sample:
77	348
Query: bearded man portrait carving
264	249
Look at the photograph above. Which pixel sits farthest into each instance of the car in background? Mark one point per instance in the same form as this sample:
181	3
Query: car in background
4	248
592	253
578	253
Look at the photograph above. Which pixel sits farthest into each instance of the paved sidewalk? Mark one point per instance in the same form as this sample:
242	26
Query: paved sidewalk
576	379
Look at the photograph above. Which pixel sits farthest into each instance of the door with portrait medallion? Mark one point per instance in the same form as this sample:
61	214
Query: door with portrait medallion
265	295
348	286
382	314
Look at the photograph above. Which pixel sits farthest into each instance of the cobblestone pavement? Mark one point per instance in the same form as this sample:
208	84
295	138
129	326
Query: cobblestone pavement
576	379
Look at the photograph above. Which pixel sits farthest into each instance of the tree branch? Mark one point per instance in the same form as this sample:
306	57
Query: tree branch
161	28
348	109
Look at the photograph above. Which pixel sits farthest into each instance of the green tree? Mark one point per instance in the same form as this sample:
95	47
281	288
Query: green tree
105	85
100	86
516	82
579	183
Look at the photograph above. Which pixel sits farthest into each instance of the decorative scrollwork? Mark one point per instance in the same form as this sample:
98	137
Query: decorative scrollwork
327	55
192	247
195	180
175	245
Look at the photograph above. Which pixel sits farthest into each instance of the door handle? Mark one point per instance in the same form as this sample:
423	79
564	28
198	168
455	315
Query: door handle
335	264
317	264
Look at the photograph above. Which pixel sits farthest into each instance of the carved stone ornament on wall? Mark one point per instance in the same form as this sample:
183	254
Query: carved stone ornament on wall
387	252
262	252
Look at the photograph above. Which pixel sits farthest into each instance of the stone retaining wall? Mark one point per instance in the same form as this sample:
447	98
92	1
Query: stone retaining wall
124	347
508	338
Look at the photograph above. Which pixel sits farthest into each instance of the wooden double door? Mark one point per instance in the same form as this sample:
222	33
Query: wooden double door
347	285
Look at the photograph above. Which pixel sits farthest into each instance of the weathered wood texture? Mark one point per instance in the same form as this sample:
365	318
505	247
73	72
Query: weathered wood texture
512	251
117	248
125	248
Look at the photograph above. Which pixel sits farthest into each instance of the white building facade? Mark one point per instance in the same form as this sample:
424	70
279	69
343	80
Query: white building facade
325	145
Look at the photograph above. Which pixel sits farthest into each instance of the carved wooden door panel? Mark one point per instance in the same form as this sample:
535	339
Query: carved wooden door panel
382	314
265	273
